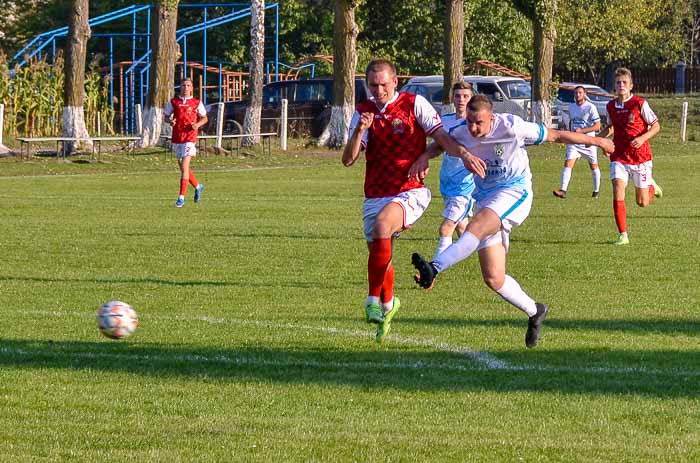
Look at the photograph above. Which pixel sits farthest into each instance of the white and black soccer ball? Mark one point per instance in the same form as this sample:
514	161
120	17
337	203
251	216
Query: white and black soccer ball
117	320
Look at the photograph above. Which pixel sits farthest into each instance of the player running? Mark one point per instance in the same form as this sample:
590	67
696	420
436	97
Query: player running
456	182
633	124
583	118
186	115
496	144
391	127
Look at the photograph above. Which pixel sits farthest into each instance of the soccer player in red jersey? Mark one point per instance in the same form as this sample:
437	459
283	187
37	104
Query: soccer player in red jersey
186	114
391	127
633	124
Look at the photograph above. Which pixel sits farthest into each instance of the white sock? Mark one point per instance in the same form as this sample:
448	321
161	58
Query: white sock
596	179
513	293
372	300
463	248
387	306
180	197
565	178
444	243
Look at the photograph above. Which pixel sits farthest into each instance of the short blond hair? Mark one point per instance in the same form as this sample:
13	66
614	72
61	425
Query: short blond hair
479	103
619	72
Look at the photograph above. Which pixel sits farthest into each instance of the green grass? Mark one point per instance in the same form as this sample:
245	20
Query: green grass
252	345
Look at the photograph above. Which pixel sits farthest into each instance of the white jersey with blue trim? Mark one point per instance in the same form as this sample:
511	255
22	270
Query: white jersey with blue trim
503	151
581	117
455	179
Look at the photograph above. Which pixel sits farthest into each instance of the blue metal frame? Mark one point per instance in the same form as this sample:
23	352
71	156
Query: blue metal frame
134	81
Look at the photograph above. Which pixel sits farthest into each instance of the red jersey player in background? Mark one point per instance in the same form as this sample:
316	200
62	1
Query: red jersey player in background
633	124
391	127
186	114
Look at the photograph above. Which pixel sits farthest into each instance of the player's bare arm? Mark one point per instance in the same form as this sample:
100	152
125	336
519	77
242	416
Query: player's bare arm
352	149
420	168
201	120
474	164
573	138
653	130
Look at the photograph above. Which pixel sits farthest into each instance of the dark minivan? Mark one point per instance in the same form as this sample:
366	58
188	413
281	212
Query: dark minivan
308	108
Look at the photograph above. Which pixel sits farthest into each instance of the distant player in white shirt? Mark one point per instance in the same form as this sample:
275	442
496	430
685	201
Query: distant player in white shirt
583	118
497	157
456	182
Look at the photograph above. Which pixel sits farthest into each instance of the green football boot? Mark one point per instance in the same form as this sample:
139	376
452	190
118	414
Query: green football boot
385	327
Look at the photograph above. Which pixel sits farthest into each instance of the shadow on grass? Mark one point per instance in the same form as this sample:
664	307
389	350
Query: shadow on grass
538	371
647	326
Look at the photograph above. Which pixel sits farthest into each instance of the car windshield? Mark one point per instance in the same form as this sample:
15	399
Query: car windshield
298	92
516	89
566	95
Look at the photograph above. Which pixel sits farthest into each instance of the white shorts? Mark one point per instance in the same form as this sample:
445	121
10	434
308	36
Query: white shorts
182	150
413	202
641	173
589	153
513	206
457	208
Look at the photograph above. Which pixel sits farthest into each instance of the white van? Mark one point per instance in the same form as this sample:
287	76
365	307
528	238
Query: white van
508	94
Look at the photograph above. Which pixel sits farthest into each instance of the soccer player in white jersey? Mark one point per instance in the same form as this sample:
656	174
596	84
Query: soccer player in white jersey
583	118
497	156
456	182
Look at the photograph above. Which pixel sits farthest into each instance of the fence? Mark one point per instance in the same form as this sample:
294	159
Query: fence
678	79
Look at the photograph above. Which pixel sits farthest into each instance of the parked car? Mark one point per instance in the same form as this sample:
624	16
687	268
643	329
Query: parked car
565	96
508	94
309	103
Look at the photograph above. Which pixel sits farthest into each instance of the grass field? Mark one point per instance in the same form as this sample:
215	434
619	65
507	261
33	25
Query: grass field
252	346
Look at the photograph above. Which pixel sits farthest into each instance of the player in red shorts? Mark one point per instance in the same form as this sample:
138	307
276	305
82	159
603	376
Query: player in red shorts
633	124
186	114
391	127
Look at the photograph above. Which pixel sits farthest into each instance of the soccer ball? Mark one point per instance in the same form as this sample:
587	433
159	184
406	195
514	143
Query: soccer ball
117	320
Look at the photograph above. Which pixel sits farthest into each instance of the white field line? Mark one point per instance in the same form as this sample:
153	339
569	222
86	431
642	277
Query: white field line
479	361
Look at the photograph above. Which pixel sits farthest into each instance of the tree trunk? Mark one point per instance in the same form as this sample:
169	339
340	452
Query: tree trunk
74	90
251	123
454	48
161	82
544	35
345	31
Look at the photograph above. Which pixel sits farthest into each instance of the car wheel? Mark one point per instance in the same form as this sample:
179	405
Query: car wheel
232	127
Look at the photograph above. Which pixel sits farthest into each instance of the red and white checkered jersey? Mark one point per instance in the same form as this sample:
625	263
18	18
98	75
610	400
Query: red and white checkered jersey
186	111
630	119
394	141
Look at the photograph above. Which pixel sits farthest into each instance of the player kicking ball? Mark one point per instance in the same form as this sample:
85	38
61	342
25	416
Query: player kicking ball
499	161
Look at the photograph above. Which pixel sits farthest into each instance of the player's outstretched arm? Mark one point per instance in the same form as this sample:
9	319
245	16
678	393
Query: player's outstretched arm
574	138
474	164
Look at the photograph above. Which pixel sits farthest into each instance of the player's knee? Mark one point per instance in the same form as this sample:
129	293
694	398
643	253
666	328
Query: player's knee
382	229
495	282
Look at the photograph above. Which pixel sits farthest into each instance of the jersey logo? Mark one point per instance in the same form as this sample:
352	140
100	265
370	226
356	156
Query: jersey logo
499	150
630	118
397	126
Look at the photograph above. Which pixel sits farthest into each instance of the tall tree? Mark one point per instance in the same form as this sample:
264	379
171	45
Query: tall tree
251	123
345	33
542	13
454	47
161	82
74	90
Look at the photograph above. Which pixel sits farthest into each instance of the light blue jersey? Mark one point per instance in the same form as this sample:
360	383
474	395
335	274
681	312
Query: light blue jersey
503	151
455	179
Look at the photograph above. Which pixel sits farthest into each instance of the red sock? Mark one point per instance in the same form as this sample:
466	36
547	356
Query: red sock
377	264
183	186
193	179
620	211
388	286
